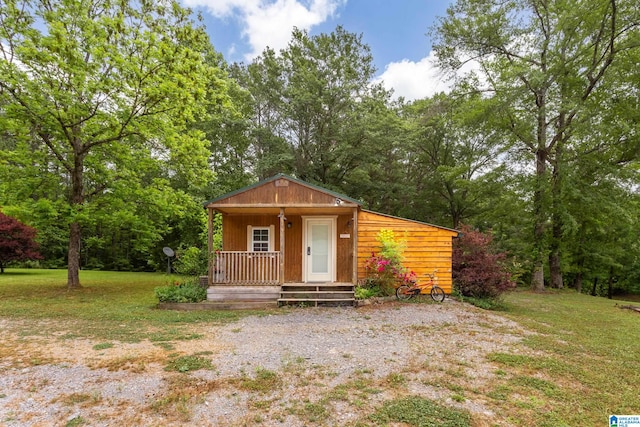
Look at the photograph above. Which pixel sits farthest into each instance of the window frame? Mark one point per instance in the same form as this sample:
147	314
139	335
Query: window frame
270	237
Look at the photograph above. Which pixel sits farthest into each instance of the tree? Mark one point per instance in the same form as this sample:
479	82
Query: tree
545	62
452	154
311	105
17	241
105	88
478	270
326	76
267	150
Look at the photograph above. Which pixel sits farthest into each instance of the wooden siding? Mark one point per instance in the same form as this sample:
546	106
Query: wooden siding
234	230
280	192
293	249
234	237
428	247
344	259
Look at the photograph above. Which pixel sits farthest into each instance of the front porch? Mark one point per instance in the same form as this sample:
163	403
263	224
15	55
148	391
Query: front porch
284	241
247	279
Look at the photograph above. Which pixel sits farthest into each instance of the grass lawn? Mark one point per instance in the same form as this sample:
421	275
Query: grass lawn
110	305
577	363
583	364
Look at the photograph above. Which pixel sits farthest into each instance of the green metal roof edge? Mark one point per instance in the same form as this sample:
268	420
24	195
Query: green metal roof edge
458	232
290	178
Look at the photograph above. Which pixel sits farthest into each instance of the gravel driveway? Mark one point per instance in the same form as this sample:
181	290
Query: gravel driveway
311	366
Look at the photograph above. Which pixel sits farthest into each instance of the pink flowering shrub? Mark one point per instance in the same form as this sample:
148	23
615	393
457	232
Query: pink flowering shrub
384	271
385	275
478	270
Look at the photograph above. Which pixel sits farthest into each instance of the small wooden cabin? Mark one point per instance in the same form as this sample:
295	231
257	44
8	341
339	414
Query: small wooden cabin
287	240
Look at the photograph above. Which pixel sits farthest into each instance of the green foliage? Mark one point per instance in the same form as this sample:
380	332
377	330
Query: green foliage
391	248
453	153
191	262
312	104
558	104
181	291
369	289
185	364
385	271
97	100
420	412
217	232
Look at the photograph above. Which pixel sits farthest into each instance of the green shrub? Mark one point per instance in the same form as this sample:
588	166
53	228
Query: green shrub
191	262
364	292
181	291
479	271
369	288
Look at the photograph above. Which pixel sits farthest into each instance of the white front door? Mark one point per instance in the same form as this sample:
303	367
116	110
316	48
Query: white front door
319	249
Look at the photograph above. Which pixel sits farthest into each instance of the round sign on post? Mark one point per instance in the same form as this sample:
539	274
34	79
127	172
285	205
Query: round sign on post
168	251
170	254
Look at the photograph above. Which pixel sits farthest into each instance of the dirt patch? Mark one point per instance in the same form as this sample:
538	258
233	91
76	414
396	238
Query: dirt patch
318	366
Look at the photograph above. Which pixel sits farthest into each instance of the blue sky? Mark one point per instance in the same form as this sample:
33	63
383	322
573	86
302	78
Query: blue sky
396	31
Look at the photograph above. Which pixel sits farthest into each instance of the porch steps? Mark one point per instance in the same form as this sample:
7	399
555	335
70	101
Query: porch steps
326	294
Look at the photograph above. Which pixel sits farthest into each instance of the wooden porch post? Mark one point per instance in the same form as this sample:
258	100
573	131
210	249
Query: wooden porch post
354	230
210	246
282	228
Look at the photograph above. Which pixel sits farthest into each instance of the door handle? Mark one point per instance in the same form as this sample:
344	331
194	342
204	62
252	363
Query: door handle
308	250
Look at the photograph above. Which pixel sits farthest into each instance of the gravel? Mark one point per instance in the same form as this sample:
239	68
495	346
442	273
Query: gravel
396	349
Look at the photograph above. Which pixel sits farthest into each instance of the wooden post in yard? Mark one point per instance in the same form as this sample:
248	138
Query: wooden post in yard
354	238
210	246
282	228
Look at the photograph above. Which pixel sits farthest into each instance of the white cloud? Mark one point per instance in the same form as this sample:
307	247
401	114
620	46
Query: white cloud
267	22
417	80
414	80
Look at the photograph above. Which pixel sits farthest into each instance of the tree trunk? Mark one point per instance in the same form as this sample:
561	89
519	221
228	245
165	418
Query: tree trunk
580	265
73	264
579	282
537	277
1	268
610	284
77	199
555	266
595	287
555	269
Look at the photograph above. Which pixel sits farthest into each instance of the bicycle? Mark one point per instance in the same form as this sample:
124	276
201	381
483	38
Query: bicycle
407	291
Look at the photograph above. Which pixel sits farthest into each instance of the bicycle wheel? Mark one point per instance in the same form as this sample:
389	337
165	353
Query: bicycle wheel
403	292
437	294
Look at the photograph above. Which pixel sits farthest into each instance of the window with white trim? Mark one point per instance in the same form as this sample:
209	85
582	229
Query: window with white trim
260	239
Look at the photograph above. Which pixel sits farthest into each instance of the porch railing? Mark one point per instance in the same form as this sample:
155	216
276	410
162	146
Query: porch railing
246	268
